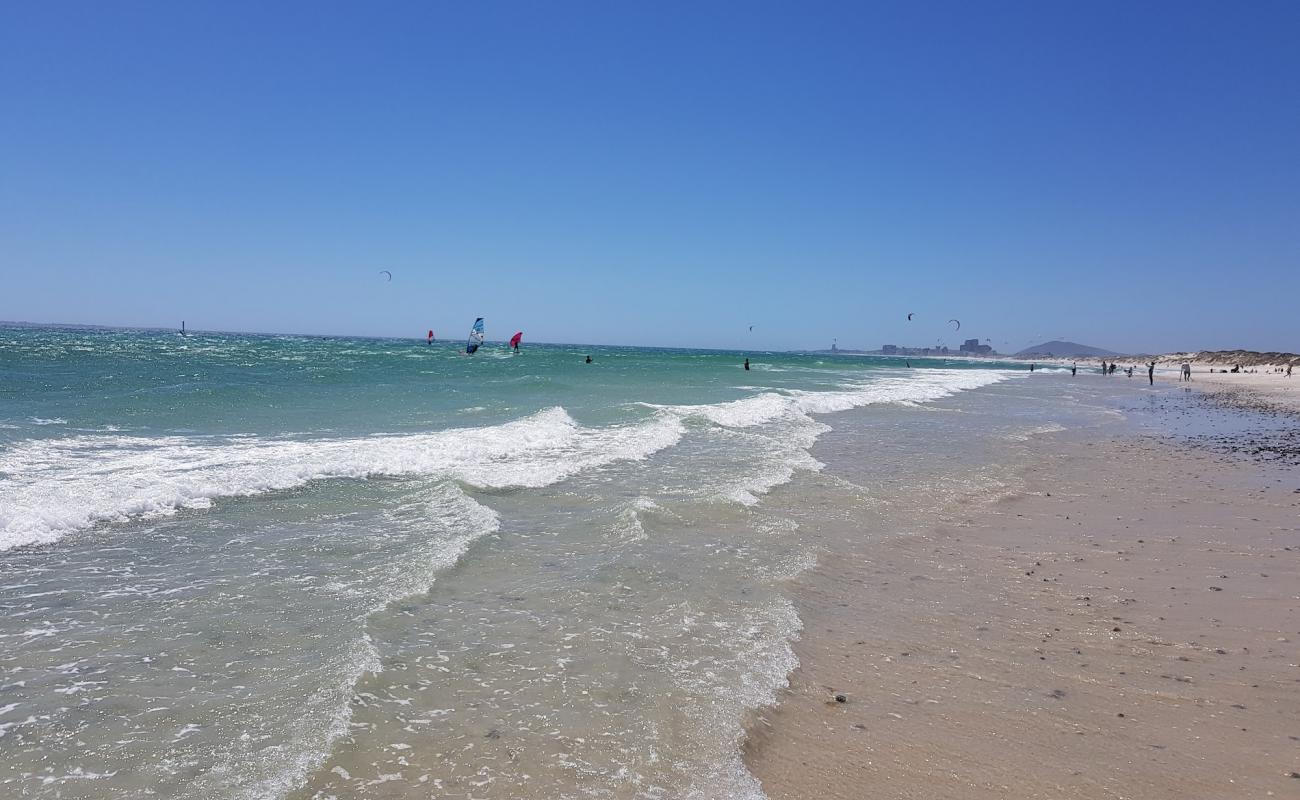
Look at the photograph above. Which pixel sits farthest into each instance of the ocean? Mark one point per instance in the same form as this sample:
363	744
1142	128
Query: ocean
239	566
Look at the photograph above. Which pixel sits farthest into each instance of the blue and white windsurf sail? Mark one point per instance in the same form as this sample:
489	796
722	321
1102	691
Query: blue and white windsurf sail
475	336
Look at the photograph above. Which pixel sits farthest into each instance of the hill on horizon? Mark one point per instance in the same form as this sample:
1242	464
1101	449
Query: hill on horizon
1056	347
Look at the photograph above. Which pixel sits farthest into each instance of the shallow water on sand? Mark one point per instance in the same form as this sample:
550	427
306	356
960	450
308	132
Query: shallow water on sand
241	566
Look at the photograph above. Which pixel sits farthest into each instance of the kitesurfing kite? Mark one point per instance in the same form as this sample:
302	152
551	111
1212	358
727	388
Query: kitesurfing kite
751	328
389	274
958	324
909	316
475	337
514	340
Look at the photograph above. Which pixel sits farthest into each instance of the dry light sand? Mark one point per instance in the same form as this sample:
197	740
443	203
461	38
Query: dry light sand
1127	628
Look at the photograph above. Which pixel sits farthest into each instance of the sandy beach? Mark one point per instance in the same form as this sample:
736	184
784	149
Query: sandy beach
1266	381
1266	387
1126	627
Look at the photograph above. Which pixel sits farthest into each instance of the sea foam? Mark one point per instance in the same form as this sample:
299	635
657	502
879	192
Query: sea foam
55	486
785	420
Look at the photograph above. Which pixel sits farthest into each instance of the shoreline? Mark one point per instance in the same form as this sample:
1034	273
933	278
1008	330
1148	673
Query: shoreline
1125	626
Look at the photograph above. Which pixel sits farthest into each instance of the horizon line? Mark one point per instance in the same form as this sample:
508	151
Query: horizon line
954	353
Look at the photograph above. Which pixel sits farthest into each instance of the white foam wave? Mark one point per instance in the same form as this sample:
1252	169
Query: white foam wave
56	486
791	414
918	386
764	650
251	772
627	524
52	487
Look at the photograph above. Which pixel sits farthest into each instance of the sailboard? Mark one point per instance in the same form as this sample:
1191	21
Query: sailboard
475	337
514	340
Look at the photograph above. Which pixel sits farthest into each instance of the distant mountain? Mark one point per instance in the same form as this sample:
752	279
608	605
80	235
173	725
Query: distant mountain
1059	349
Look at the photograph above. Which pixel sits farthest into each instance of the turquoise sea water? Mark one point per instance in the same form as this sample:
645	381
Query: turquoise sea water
268	566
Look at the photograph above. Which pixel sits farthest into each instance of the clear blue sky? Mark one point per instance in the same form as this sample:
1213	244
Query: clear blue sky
1121	174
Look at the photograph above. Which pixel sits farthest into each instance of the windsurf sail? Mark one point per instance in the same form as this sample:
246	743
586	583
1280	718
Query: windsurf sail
514	340
475	336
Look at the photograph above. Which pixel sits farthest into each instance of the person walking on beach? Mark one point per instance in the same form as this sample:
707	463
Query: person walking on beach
1288	370
1187	372
1151	373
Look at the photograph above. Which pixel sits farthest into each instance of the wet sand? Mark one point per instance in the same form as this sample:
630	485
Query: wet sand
1269	387
1125	628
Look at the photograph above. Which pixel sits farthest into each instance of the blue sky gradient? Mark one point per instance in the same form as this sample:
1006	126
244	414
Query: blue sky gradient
1119	174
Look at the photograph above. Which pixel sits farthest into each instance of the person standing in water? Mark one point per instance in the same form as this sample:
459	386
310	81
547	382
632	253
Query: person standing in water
1031	367
588	359
747	365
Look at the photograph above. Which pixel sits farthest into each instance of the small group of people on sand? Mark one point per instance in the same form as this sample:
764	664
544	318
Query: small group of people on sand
1109	369
1238	369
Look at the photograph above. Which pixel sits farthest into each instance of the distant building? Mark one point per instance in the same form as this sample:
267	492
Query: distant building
889	349
974	347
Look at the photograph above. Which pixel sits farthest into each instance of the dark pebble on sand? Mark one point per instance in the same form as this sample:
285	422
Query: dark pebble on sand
841	698
1216	588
